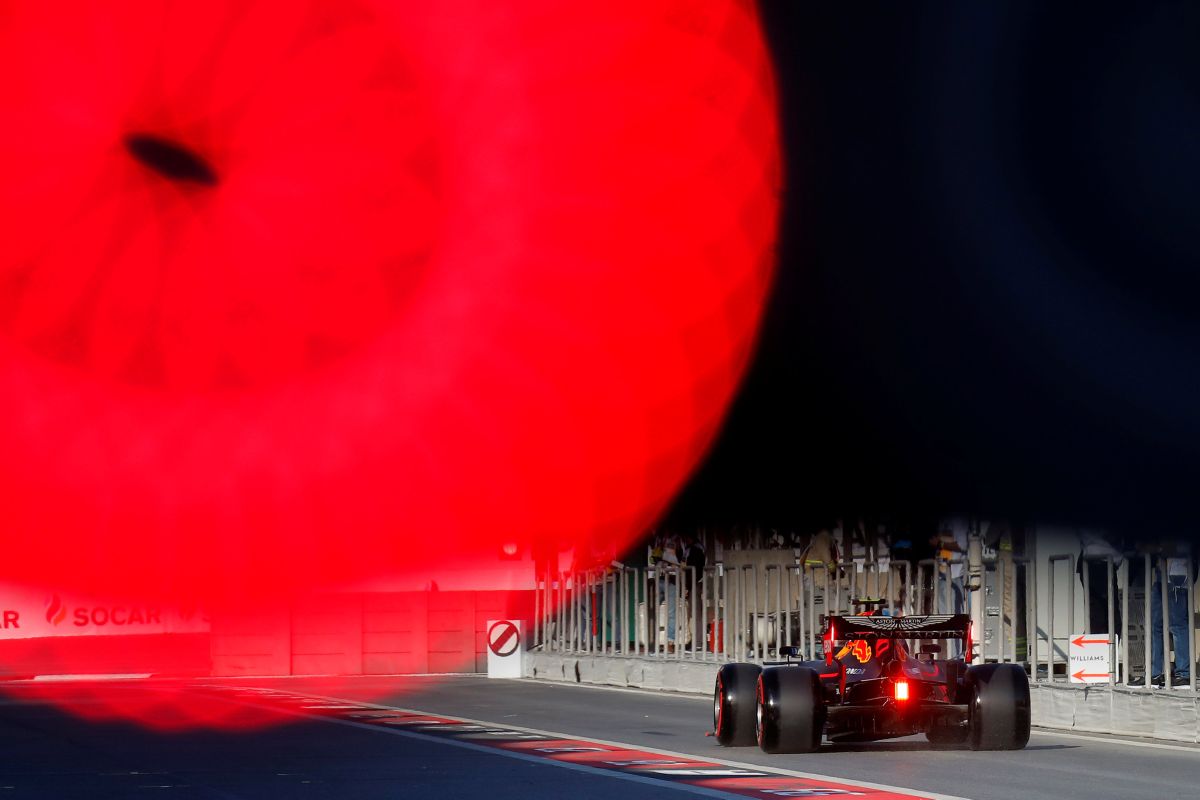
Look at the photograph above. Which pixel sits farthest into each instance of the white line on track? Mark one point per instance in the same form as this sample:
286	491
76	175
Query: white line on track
675	693
1119	741
1113	739
583	767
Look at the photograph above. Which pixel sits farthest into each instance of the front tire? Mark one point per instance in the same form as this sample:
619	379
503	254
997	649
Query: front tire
999	707
733	704
790	712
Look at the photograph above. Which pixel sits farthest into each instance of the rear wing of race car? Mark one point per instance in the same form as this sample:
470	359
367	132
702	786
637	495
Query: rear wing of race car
928	626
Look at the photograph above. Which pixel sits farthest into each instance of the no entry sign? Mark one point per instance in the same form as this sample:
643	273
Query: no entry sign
504	648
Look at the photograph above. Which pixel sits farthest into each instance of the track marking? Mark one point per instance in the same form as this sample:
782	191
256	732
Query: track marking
706	697
1114	738
740	779
1119	740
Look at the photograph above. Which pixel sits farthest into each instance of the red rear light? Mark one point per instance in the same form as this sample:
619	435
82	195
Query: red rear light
901	690
968	653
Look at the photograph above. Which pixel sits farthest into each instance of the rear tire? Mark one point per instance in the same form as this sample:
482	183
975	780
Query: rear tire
733	704
998	695
790	712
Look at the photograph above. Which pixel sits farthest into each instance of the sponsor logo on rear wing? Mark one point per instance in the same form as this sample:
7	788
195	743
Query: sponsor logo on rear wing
929	626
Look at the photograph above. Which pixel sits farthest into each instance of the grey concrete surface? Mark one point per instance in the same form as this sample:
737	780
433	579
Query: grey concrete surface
51	755
45	753
1170	715
1054	765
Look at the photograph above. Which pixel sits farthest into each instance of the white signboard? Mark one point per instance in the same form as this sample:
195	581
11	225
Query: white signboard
31	613
1087	660
505	644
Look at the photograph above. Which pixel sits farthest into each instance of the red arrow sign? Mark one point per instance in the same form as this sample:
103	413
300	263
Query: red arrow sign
1079	641
1081	675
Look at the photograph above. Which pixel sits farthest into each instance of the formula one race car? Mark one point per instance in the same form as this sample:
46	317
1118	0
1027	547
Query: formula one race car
874	687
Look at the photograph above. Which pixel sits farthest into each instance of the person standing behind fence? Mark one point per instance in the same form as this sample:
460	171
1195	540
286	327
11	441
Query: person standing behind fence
821	551
1096	547
668	550
694	561
1177	555
951	544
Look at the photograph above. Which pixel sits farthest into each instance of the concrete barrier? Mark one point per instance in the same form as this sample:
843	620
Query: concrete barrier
1155	713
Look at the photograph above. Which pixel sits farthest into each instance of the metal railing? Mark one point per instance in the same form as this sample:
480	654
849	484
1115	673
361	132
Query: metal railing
748	612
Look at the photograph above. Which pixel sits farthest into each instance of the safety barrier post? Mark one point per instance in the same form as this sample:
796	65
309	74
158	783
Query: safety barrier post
1087	594
642	632
1148	573
573	612
814	624
850	570
608	597
552	610
1124	579
590	611
654	588
926	603
681	611
1032	636
739	609
586	612
752	586
539	631
721	599
569	597
1001	586
1191	625
1070	559
580	585
906	588
1050	620
837	592
556	609
1164	577
629	610
707	631
781	574
695	613
793	599
1022	566
649	622
1112	622
1110	604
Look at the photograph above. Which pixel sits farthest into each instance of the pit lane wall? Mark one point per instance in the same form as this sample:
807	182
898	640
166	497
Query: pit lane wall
1172	715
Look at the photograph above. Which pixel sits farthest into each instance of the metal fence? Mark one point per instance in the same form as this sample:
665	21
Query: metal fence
748	612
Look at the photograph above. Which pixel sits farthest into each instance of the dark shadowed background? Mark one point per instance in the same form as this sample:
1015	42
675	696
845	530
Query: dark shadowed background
986	298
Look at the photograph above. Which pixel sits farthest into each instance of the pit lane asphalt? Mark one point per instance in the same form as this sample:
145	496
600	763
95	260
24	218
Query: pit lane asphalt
1052	766
45	753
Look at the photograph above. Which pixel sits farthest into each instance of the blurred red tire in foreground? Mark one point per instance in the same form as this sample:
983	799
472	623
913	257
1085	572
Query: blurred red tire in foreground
298	294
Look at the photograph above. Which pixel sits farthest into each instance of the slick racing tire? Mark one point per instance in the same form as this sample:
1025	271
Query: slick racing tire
734	704
999	707
789	713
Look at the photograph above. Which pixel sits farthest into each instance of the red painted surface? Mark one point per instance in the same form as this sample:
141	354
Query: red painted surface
736	779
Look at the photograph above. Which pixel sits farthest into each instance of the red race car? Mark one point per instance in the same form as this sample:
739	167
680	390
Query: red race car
875	687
